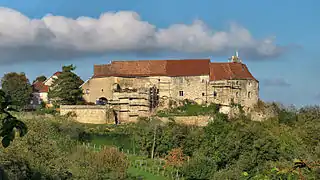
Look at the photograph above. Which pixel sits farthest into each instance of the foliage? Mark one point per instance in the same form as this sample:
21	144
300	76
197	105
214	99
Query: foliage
66	89
45	110
40	79
237	148
190	109
105	164
175	157
199	167
51	150
18	88
10	126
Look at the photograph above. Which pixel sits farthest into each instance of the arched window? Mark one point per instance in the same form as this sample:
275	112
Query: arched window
116	87
102	101
249	94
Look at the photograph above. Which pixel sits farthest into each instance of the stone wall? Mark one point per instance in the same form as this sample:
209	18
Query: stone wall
89	113
92	114
244	92
196	88
96	88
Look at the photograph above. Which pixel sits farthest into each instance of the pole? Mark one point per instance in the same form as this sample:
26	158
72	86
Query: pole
154	141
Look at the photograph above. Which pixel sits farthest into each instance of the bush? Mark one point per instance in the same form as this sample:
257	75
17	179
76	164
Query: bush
190	109
51	151
199	167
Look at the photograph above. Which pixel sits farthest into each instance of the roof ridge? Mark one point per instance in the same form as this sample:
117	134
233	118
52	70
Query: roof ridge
139	60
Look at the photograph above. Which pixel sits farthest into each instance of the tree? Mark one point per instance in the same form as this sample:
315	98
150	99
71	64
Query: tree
175	157
10	124
66	89
40	79
18	88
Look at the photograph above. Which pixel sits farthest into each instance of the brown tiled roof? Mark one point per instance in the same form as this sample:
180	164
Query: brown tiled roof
140	68
186	67
232	70
40	87
194	67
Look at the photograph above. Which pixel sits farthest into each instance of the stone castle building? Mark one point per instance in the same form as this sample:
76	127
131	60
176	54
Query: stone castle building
136	88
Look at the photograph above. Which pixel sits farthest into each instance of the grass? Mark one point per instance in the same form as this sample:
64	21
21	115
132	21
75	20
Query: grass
145	175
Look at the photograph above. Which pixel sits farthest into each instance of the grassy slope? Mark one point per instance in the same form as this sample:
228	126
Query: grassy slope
101	140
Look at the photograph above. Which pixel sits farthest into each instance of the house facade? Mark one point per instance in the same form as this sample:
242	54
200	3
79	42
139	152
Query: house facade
136	87
41	89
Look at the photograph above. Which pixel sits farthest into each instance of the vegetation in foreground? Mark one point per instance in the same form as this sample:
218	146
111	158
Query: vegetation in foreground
281	148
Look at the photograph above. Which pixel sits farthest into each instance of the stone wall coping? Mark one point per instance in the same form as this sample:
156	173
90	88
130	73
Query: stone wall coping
82	107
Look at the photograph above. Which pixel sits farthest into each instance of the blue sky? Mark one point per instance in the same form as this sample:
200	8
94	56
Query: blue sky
287	68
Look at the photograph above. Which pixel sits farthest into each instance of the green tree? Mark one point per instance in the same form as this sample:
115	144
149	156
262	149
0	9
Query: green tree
66	89
40	79
18	88
10	125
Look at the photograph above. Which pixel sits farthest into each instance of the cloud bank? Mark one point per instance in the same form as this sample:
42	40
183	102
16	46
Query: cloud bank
58	37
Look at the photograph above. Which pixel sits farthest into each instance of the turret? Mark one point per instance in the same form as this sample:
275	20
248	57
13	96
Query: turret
235	58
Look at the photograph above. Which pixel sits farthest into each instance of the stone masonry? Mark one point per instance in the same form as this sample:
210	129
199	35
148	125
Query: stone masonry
126	84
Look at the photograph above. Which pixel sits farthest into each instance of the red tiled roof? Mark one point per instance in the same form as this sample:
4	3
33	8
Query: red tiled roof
186	67
40	87
225	71
194	67
57	73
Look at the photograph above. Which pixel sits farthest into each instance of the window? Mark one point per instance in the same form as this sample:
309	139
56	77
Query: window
202	80
215	94
249	94
237	94
180	93
203	94
159	80
101	90
249	83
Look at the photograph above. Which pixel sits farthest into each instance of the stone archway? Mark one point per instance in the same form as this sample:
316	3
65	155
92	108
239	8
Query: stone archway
102	101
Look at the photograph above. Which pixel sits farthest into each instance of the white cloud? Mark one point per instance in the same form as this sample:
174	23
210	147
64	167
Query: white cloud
58	37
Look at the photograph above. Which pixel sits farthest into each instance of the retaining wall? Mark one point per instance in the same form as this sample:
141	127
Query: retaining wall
91	114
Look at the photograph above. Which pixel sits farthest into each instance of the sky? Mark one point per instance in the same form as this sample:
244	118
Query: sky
277	40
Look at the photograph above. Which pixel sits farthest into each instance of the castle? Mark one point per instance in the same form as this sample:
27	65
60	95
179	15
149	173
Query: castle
136	88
